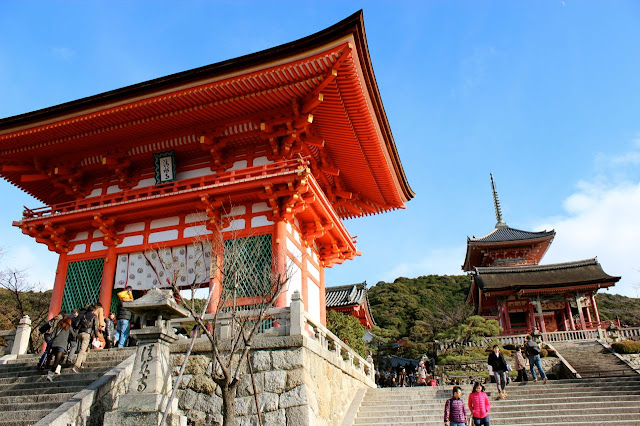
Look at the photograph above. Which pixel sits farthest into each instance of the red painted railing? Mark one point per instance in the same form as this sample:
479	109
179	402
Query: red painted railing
131	195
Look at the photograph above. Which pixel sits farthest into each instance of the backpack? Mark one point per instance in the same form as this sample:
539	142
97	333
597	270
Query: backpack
86	324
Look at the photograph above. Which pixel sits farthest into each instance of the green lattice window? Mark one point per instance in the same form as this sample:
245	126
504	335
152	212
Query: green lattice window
82	286
247	266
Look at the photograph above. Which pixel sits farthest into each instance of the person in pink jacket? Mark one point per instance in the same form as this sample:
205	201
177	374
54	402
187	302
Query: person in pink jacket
479	405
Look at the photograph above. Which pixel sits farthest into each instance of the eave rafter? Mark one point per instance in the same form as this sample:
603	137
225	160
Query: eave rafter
216	219
63	177
120	166
109	229
55	237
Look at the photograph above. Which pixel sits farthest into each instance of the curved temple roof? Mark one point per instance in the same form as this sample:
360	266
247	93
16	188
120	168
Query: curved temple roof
510	234
580	272
334	62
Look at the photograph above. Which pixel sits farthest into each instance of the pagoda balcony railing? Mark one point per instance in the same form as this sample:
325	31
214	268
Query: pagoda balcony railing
196	184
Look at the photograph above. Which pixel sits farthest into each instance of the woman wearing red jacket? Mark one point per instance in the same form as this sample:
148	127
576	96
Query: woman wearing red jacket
479	405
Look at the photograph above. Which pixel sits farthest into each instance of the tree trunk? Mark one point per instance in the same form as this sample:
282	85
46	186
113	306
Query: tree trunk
229	404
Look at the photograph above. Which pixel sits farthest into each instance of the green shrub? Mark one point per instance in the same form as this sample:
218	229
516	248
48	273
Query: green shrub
510	346
626	347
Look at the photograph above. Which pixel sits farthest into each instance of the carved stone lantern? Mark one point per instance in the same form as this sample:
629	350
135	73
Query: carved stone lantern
150	384
614	332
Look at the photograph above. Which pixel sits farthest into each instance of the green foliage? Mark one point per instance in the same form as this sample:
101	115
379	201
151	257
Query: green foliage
474	329
510	346
613	306
409	312
626	347
349	329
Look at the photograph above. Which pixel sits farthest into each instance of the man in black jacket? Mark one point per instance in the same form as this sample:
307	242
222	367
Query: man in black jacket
87	330
500	370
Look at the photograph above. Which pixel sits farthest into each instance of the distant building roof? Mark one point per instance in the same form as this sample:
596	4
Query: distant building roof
506	233
582	272
343	296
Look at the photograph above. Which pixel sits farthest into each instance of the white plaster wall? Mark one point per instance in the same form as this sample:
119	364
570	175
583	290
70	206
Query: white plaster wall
166	221
295	283
169	235
313	294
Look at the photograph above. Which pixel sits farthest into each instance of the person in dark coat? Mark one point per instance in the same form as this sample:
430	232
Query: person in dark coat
124	316
48	329
59	343
500	370
87	330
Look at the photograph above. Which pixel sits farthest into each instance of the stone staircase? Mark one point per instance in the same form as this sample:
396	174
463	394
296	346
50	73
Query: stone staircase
591	359
26	396
601	401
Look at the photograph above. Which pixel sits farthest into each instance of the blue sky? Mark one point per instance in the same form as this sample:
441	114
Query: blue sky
544	94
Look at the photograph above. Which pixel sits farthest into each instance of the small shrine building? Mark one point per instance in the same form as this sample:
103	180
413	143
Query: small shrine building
351	299
509	284
274	149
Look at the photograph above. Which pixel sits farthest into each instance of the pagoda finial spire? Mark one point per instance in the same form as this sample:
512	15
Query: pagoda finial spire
496	204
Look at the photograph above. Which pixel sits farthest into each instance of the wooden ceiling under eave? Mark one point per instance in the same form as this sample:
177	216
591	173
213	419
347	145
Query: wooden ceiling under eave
243	91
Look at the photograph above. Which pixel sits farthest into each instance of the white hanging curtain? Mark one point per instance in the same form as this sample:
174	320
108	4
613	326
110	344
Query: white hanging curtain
184	265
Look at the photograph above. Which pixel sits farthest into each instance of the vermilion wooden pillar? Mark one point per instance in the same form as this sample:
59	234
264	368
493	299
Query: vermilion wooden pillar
570	315
280	259
58	287
582	323
532	316
507	319
108	277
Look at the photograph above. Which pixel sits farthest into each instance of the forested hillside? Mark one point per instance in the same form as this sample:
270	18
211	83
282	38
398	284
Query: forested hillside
612	306
413	310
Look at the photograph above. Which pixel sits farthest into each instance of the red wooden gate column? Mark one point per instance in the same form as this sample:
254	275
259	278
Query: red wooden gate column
58	287
280	259
505	311
570	315
108	277
532	316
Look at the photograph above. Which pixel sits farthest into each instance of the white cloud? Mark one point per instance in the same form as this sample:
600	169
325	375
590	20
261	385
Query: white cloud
601	220
446	261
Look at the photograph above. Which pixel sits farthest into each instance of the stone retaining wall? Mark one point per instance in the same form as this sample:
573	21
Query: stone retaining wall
298	382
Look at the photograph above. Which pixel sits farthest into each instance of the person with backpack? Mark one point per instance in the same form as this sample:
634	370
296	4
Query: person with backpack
500	370
87	330
520	365
455	413
533	353
47	330
59	343
479	405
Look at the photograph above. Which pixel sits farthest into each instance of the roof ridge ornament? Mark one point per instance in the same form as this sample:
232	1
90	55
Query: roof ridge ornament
496	204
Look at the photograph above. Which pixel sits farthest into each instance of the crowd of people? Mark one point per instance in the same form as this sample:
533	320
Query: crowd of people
407	375
70	336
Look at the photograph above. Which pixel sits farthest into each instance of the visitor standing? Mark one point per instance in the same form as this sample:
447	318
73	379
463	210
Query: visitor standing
422	374
47	329
455	413
88	329
500	370
479	405
59	343
533	353
110	330
124	318
521	366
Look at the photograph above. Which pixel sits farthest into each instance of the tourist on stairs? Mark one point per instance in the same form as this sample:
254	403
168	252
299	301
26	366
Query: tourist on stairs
479	405
87	331
520	365
532	350
500	370
455	413
59	343
124	317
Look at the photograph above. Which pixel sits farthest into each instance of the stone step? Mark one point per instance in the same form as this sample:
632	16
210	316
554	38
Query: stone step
8	377
63	377
73	381
26	417
18	368
497	407
43	391
25	406
37	398
622	418
514	393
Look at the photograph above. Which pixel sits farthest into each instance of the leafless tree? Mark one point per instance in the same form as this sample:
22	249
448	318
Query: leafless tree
25	298
236	274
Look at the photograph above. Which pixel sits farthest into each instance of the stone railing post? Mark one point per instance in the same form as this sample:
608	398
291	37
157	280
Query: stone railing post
372	368
297	314
21	340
